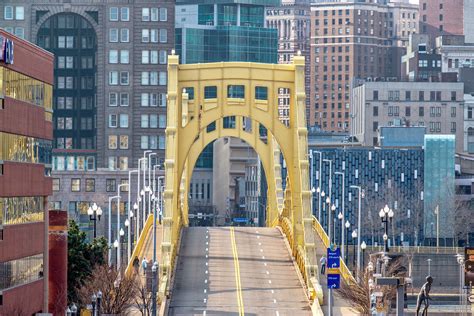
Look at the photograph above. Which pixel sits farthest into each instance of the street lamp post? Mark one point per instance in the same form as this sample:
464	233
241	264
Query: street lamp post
94	213
347	224
94	302
130	213
154	270
320	187
110	228
343	209
341	234
150	180
99	300
332	239
363	246
386	215
359	227
330	188
322	195
328	202
354	236
436	211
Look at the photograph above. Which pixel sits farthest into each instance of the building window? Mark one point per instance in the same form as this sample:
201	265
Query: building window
124	120
407	95
113	14
75	185
123	141
375	126
421	111
113	35
113	56
90	185
453	127
113	99
124	99
124	78
162	78
124	35
375	110
113	120
236	91
453	95
210	92
8	13
453	111
407	111
469	112
144	142
56	184
112	141
421	95
113	78
125	14
124	57
261	93
145	36
110	185
376	95
163	35
145	14
163	14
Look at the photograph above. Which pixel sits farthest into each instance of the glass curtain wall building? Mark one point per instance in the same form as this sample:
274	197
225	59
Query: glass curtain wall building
224	31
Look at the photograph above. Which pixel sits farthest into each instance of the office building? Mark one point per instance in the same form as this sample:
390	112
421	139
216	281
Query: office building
353	39
110	77
421	61
26	132
438	17
292	20
215	31
437	106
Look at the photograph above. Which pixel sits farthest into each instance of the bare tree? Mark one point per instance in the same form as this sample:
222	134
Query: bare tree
118	290
143	297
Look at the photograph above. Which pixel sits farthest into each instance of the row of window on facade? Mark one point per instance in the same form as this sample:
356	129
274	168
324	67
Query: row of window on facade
68	143
148	14
21	148
394	110
21	271
80	163
200	191
148	56
394	95
146	99
233	91
20	210
89	185
434	127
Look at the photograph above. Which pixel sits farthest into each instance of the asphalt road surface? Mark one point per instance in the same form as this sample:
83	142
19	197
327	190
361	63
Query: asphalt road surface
236	271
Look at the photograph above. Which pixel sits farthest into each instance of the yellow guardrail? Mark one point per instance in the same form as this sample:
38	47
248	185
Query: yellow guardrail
345	272
418	249
141	242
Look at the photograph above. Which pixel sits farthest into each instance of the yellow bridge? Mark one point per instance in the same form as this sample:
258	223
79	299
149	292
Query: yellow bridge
203	107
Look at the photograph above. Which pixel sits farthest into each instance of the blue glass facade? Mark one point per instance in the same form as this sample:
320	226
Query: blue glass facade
387	176
439	187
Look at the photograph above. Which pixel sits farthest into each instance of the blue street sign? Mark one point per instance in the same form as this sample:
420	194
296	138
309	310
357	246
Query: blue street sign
334	258
240	220
334	281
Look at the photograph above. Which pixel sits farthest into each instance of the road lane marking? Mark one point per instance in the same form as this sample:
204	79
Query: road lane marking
259	243
207	256
205	301
270	281
237	272
277	313
258	237
267	272
207	264
207	249
205	291
273	292
263	257
207	272
204	313
205	281
274	301
265	264
261	250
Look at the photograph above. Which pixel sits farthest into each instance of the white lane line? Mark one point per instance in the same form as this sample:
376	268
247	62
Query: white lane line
207	249
259	243
267	272
205	300
207	272
261	250
257	231
263	257
207	237
273	292
205	281
207	256
258	237
207	264
270	281
274	301
265	264
207	243
277	313
205	291
204	313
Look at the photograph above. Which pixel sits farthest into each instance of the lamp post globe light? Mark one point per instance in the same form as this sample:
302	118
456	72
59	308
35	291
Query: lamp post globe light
363	246
386	214
328	202
94	212
354	236
347	225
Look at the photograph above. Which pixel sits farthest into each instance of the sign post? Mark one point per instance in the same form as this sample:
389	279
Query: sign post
333	275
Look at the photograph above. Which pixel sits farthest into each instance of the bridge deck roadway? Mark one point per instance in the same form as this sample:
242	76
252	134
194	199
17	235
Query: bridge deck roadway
232	271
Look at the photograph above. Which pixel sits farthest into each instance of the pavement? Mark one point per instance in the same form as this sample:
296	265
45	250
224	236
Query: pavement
236	271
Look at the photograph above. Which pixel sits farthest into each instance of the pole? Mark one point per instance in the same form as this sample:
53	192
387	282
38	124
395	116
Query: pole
343	211
437	228
400	300
119	188
149	180
320	184
129	228
347	239
359	233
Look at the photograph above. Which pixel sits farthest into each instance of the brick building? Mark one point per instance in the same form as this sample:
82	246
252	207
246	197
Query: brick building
353	39
26	132
438	17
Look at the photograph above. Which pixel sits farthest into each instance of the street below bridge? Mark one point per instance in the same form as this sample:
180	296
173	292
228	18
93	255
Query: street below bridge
236	271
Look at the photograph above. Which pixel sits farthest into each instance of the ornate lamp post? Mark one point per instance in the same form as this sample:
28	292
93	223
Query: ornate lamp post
363	246
386	214
341	234
94	213
347	225
354	236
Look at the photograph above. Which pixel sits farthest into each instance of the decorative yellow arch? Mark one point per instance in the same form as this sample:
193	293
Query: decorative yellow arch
199	95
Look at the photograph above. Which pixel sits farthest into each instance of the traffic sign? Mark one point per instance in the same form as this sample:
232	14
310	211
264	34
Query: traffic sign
334	258
334	281
240	220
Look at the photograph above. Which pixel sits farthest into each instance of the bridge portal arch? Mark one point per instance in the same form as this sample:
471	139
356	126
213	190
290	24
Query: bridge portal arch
204	95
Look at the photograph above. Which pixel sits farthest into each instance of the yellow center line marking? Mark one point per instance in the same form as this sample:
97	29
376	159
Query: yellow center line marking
240	301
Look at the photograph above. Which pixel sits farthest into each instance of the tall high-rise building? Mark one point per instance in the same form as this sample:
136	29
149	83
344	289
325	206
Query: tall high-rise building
109	98
26	90
292	20
438	17
353	39
220	31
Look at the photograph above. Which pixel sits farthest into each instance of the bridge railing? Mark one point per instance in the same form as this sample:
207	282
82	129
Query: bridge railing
140	244
418	249
345	272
